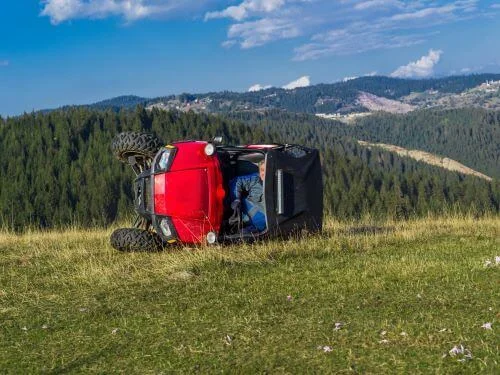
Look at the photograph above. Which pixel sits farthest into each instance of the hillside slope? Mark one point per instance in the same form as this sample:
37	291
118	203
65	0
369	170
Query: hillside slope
428	158
394	298
470	136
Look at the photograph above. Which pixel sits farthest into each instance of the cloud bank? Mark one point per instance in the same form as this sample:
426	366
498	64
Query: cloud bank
260	32
246	9
326	28
258	87
131	10
300	82
423	67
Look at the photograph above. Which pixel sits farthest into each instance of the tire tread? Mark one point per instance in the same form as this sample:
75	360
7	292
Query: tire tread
135	240
129	143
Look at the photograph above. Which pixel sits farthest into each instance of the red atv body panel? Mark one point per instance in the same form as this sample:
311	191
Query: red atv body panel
191	193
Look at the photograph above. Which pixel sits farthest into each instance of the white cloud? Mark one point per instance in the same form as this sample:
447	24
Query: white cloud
4	63
495	6
63	10
228	43
472	69
351	41
425	13
246	8
301	82
378	4
423	67
345	79
256	33
258	87
350	78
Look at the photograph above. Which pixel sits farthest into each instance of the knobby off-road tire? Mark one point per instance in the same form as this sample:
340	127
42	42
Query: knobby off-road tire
134	239
128	144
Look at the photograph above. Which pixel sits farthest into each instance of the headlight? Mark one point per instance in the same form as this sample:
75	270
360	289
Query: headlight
211	238
165	227
164	159
209	149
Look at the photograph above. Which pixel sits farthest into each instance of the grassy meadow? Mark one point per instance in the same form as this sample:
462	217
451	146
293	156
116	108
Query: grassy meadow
391	298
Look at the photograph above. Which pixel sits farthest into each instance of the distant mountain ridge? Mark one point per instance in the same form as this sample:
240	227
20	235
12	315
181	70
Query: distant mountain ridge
340	97
124	101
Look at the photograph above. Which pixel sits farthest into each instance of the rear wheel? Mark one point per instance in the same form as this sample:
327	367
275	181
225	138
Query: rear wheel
137	149
134	239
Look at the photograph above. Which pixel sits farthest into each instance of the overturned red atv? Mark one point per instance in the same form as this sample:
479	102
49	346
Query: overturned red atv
182	191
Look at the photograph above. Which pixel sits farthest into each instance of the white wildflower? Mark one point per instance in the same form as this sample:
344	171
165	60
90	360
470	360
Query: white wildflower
497	259
464	353
338	326
403	334
228	340
114	331
486	325
384	341
327	349
456	350
45	326
383	333
24	329
487	263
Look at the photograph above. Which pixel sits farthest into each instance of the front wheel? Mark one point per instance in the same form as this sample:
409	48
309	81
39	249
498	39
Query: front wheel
134	239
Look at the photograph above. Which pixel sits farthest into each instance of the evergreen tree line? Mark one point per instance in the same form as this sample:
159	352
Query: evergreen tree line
360	180
57	168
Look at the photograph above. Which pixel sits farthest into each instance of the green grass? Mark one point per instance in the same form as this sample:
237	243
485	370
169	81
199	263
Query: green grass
71	304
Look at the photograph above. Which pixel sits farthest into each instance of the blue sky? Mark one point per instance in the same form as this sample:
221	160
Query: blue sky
56	52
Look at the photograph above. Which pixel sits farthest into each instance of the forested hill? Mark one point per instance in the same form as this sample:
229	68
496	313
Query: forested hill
470	136
57	169
341	97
